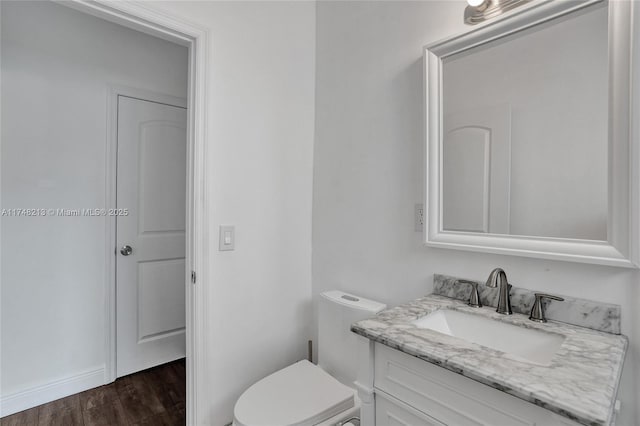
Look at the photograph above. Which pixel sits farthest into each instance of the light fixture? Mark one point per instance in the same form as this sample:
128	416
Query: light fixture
476	3
481	10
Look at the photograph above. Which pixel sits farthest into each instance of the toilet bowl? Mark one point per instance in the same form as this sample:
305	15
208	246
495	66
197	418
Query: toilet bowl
305	394
300	394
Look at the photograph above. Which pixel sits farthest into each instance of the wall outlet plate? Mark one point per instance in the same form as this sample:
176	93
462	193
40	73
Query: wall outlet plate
419	217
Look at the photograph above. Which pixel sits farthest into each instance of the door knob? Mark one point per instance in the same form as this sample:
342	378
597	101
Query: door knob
126	250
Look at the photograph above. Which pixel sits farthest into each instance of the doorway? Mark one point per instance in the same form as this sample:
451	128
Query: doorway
66	355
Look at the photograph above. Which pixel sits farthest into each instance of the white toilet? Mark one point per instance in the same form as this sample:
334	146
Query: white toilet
304	394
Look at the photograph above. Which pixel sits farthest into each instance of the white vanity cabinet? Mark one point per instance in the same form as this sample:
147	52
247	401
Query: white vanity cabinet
409	391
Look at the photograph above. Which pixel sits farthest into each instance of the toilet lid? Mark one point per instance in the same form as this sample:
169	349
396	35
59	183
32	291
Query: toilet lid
299	395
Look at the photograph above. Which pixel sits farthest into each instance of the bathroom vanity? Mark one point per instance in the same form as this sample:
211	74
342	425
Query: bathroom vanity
509	149
424	363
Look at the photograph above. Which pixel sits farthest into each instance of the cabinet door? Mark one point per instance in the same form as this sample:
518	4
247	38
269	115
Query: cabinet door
391	412
452	398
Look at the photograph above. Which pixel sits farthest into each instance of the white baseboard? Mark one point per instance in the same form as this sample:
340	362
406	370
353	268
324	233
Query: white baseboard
57	389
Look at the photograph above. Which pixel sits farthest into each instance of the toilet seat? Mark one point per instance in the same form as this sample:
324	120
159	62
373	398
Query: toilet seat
299	395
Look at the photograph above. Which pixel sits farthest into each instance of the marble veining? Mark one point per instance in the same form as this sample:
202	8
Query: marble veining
581	312
581	382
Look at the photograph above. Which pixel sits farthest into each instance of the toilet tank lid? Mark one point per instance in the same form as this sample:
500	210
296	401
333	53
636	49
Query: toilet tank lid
353	301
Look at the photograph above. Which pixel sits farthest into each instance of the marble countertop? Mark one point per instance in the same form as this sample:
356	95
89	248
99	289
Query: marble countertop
581	382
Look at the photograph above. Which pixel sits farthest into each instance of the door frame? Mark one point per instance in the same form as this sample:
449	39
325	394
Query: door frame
142	18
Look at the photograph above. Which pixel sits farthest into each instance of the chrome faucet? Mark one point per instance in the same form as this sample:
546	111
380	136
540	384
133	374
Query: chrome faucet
474	296
537	310
498	278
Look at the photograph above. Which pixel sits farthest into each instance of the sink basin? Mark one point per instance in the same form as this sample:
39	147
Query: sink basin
524	344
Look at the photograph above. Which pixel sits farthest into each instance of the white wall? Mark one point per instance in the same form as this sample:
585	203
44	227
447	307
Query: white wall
558	101
56	67
368	173
260	142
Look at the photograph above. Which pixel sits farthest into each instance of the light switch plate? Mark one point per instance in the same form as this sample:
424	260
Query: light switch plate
227	238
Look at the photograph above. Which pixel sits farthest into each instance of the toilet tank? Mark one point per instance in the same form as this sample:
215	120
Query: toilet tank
337	353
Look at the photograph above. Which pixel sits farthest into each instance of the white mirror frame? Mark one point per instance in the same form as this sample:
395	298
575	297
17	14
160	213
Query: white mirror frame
623	229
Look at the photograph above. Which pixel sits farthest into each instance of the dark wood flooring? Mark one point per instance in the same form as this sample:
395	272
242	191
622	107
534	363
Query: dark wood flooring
151	397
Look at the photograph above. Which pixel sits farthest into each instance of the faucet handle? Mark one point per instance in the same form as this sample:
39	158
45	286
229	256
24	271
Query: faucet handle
537	311
474	297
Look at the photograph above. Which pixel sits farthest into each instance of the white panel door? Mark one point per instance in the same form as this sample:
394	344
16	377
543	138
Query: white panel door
477	170
151	184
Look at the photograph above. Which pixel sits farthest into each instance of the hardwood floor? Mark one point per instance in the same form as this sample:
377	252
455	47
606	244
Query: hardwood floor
150	397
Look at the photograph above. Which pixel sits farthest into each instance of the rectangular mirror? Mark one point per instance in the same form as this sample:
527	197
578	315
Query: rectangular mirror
529	143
